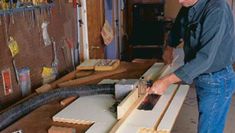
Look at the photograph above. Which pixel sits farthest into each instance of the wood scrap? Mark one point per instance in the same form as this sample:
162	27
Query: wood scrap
55	129
43	88
68	100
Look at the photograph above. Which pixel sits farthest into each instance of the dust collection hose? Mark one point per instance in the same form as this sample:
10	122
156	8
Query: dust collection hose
24	108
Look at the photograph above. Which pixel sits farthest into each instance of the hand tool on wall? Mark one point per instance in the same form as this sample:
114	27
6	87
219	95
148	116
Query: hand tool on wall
65	57
71	46
55	62
12	18
45	35
77	8
5	28
16	71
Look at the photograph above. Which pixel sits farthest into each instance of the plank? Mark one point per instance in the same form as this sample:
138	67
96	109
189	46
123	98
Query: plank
173	110
68	100
55	129
84	73
126	115
43	88
95	76
67	77
153	72
127	102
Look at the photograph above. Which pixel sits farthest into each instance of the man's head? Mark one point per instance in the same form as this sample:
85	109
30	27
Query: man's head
187	3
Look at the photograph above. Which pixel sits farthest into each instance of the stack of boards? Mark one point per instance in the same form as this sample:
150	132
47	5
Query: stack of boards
99	64
129	119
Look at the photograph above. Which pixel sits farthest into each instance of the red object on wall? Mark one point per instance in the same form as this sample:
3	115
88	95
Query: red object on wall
6	77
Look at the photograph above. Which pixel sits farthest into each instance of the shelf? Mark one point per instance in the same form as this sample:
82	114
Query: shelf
30	8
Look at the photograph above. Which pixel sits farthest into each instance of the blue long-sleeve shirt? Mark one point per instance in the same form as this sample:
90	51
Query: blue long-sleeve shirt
207	29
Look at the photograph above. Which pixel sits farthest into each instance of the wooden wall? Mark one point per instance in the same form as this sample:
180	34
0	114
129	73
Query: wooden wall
33	53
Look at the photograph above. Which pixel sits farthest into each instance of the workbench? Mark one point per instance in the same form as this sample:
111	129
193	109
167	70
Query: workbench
40	120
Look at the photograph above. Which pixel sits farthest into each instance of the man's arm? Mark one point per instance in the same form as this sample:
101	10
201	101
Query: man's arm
213	30
211	38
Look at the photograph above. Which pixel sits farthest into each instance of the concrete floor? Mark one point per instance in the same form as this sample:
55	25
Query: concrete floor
186	121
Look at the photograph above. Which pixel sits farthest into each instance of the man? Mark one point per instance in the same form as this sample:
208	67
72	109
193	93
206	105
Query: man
207	29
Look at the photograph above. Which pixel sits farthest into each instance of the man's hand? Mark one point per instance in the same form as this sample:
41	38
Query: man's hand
168	55
161	85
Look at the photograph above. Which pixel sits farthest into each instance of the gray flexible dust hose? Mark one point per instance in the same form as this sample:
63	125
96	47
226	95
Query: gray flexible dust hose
24	108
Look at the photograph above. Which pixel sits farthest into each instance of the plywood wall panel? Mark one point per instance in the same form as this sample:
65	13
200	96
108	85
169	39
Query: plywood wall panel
33	53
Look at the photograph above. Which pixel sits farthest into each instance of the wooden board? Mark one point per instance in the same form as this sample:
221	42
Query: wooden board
88	64
171	114
55	129
153	72
95	76
89	110
43	88
129	111
127	102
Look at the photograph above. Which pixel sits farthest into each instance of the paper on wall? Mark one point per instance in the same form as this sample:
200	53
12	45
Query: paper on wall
13	46
107	33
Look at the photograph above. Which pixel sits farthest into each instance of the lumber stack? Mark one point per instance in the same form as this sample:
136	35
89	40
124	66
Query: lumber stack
99	64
